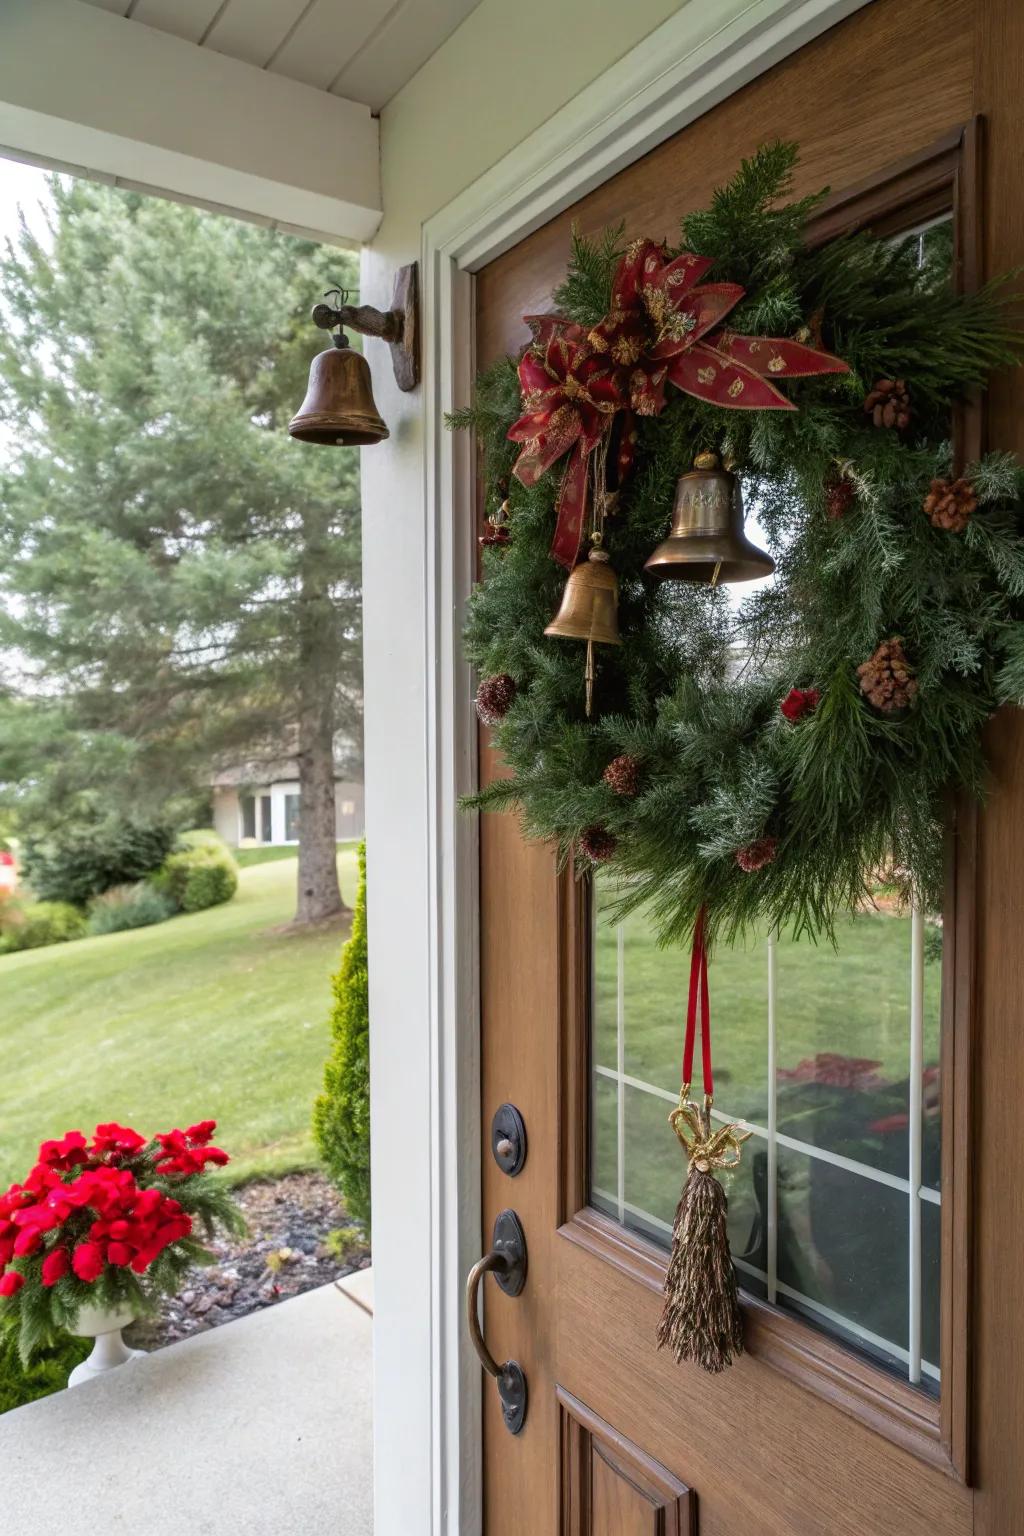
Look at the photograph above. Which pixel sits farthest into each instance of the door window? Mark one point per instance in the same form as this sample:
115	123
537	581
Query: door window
831	1059
291	818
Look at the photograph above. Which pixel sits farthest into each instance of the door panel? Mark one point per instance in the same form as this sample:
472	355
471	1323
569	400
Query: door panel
610	1487
801	1435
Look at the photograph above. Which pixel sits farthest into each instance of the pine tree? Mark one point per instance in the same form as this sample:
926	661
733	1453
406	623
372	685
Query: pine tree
180	579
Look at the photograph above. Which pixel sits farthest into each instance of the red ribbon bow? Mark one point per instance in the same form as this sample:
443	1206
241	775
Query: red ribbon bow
570	395
664	329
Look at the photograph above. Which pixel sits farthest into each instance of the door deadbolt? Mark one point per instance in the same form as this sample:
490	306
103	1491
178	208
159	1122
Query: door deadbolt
508	1139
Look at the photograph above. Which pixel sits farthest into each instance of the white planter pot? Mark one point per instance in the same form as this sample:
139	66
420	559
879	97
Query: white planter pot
110	1350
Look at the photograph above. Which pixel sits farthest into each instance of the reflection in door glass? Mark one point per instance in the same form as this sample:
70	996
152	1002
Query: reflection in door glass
831	1058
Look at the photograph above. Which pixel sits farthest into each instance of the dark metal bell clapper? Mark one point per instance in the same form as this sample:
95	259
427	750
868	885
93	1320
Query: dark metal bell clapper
706	542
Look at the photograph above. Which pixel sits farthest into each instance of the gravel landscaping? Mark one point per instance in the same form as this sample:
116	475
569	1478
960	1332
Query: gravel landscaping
289	1249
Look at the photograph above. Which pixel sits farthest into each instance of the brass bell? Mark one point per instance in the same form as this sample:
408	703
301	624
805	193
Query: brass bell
589	609
706	542
339	407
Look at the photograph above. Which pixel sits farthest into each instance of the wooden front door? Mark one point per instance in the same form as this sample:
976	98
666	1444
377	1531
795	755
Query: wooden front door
875	1397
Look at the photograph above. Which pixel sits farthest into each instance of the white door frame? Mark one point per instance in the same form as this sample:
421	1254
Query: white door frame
705	52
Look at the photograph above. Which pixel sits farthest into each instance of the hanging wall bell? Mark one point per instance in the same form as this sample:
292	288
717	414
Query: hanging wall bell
706	542
589	610
339	408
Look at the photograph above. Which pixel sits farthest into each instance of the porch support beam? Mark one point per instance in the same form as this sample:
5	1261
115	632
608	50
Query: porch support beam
86	90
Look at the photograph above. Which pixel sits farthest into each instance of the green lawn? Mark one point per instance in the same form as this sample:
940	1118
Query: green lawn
217	1014
245	857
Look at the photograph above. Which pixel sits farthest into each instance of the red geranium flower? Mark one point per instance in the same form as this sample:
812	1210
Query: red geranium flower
55	1266
119	1140
87	1262
66	1153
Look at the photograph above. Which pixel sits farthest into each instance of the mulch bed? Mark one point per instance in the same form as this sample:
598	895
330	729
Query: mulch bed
284	1253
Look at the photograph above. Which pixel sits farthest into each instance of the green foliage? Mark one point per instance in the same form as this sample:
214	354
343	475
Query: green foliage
694	689
344	1243
341	1115
84	855
179	570
47	1372
128	906
199	873
41	923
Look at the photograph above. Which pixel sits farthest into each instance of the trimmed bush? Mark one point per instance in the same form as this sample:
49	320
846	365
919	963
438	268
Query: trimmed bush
77	862
200	873
41	923
341	1115
129	906
48	1372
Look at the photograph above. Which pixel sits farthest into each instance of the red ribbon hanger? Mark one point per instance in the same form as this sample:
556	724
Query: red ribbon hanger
698	1001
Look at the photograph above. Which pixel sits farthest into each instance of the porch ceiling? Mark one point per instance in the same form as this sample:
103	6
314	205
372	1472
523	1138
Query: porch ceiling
364	50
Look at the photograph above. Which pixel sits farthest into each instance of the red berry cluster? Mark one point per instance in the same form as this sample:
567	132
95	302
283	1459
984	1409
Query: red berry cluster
799	702
89	1206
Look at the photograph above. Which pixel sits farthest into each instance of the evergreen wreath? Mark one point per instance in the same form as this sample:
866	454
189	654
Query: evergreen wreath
768	763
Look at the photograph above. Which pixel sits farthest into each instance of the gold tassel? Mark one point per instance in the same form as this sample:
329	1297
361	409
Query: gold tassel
701	1320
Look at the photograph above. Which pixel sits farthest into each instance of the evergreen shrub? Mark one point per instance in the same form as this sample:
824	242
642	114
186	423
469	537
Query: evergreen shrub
76	862
41	923
341	1115
199	873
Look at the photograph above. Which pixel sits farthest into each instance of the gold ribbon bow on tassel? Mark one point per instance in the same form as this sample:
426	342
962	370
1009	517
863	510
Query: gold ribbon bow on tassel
707	1150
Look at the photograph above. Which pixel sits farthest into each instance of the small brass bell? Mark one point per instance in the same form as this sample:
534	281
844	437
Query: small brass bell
706	542
339	407
589	609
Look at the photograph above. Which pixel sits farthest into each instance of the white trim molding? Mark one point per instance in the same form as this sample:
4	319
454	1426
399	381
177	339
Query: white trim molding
705	52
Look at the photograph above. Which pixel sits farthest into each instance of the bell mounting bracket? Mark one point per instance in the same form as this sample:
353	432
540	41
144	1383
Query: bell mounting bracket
398	326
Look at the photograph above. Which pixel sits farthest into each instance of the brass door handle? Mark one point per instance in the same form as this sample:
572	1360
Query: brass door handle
507	1263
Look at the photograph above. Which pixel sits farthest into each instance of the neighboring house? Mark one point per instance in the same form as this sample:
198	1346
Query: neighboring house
259	803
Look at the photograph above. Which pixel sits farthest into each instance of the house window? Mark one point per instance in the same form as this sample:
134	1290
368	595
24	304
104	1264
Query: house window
348	807
248	807
266	824
291	818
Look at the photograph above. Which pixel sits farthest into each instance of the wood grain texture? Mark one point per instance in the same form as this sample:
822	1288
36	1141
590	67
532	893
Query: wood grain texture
790	1461
610	1487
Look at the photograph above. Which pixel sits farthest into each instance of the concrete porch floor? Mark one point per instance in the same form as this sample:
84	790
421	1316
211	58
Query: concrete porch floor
255	1428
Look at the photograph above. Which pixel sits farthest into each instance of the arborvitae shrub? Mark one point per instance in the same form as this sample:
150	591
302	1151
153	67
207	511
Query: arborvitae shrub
341	1115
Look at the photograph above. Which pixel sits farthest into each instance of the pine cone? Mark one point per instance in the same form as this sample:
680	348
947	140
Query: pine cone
598	844
950	504
623	775
888	404
494	698
886	679
757	854
839	495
